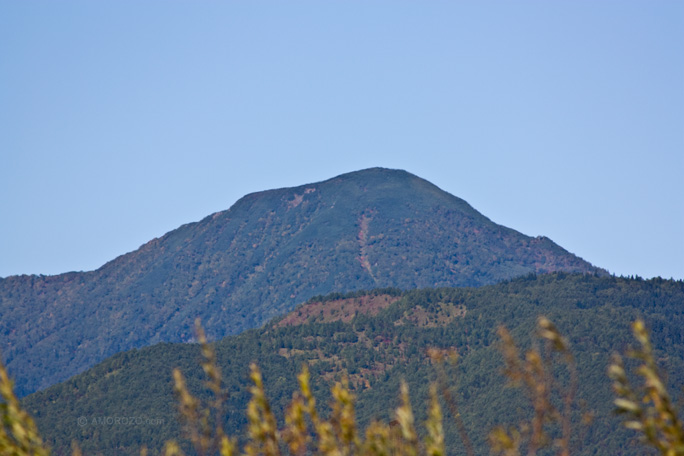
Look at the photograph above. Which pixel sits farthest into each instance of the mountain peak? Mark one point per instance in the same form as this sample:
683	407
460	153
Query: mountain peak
272	250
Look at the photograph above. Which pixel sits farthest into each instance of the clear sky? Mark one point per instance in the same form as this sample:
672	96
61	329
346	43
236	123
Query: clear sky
122	120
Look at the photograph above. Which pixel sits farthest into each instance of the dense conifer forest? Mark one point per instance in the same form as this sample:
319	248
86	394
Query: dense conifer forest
378	345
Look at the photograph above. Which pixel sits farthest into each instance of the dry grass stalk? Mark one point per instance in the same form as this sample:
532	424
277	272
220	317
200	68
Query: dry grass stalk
534	372
649	408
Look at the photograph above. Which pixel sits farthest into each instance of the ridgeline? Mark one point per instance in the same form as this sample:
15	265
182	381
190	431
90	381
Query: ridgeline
376	339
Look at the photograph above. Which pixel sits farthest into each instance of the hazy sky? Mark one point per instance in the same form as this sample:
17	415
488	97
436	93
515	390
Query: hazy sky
122	120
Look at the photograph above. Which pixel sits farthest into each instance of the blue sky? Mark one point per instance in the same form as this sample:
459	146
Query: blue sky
121	120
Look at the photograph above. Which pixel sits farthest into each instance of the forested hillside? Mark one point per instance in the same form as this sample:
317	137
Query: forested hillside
270	251
376	339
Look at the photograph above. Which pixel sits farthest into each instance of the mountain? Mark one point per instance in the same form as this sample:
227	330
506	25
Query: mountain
377	338
270	251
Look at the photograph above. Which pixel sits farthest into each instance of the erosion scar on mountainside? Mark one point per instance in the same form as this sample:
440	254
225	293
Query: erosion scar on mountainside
364	221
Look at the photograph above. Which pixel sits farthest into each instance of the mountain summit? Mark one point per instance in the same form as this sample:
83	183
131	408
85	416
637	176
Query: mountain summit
270	251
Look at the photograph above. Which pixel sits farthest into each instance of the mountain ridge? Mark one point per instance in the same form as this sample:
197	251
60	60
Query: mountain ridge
271	250
375	349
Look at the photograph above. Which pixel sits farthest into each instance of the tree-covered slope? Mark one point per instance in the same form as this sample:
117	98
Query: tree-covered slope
377	339
269	252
